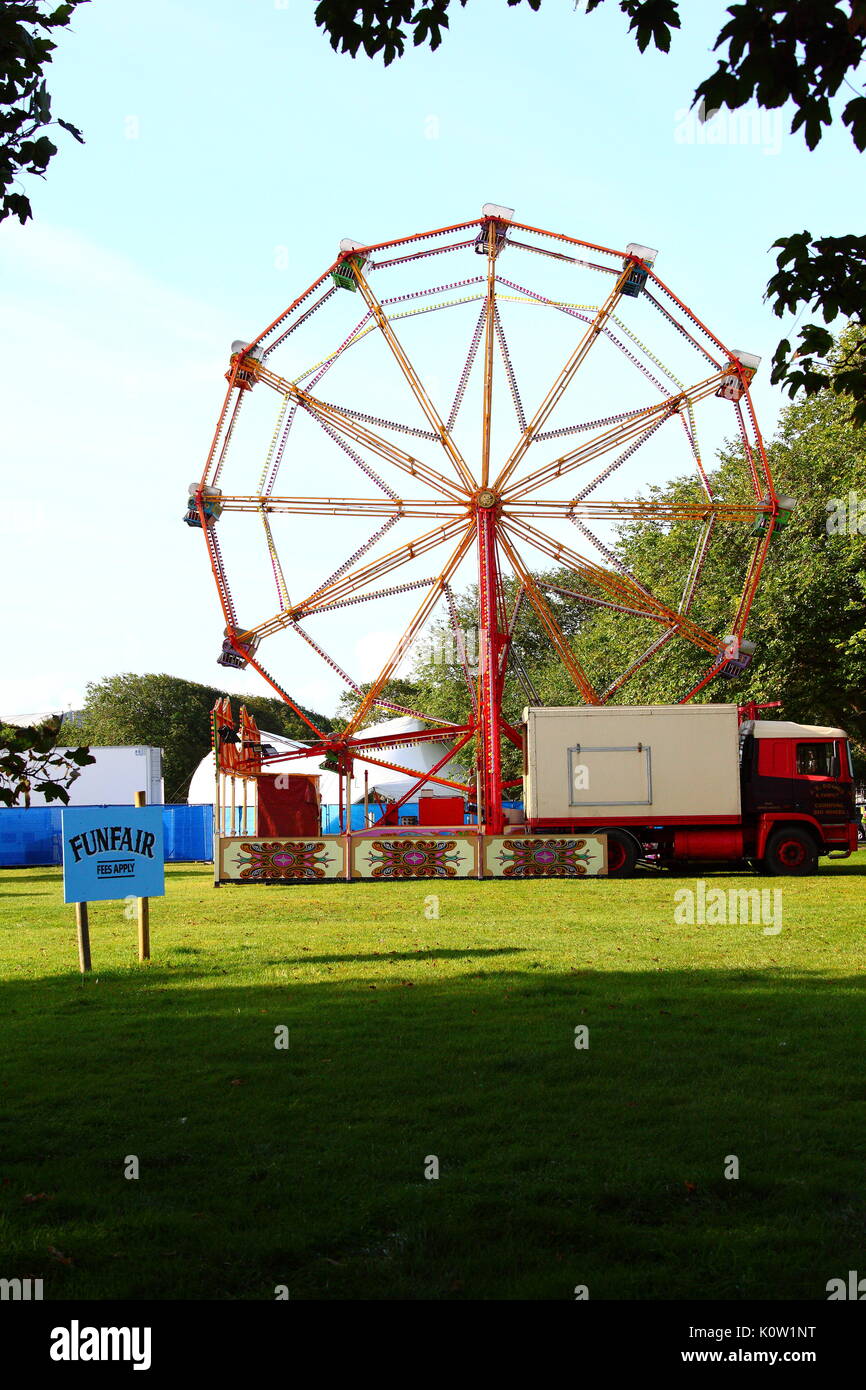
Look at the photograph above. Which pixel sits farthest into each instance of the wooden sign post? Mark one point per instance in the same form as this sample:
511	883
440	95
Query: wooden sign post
143	906
83	930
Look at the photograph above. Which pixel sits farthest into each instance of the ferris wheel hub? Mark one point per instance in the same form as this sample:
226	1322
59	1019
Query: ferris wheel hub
486	498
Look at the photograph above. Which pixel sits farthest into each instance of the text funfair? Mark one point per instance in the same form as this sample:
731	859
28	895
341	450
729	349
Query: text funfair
112	838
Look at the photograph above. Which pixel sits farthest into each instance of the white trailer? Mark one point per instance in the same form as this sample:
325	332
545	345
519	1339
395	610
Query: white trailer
118	773
631	764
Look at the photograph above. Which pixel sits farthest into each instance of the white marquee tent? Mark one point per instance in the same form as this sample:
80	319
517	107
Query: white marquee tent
382	781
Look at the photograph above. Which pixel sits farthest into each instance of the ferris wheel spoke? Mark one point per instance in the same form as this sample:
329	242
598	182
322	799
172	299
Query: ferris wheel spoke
284	695
509	370
308	313
261	342
420	618
609	555
639	510
349	584
353	685
425	776
361	434
345	506
753	575
335	421
566	376
219	574
413	379
600	602
691	432
619	586
211	462
358	554
635	666
467	368
274	457
282	589
621	590
355	580
619	434
548	622
765	488
460	646
697	565
759	442
386	424
680	327
622	458
375	594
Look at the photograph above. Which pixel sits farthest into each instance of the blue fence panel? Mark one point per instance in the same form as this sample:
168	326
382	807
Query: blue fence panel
188	832
33	838
30	838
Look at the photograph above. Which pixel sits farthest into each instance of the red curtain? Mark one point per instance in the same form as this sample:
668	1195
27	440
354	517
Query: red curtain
290	809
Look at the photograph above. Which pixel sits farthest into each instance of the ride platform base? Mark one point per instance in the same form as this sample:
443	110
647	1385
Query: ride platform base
392	854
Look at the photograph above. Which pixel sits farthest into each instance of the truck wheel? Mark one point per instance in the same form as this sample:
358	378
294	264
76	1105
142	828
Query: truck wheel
622	853
791	850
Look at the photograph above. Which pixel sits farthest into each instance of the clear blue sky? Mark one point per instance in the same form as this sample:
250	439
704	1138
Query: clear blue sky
228	150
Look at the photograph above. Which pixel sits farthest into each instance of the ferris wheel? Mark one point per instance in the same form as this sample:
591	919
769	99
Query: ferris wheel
392	435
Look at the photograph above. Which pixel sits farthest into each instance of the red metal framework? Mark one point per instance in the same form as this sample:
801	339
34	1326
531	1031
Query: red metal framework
496	500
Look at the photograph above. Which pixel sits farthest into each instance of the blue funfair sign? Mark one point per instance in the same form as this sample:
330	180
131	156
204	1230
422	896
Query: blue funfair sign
112	852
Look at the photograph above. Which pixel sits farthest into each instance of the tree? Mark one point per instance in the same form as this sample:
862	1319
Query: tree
174	715
775	51
31	762
25	103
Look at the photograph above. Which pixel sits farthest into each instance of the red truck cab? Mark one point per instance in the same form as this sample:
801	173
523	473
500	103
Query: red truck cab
797	785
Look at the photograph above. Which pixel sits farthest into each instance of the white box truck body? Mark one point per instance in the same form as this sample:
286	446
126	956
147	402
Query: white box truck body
115	777
632	763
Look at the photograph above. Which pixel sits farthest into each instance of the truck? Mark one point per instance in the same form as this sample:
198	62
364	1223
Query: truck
678	784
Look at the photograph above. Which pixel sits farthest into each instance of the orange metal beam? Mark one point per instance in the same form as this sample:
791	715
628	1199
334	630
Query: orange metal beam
415	384
428	776
354	429
554	632
635	594
420	618
617	434
563	381
355	579
345	506
638	510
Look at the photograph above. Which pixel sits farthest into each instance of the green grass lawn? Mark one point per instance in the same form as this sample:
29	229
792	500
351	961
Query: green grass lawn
413	1036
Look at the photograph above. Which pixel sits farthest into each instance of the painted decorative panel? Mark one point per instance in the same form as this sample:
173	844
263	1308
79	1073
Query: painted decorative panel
545	856
249	860
414	856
